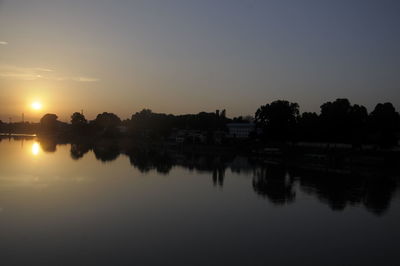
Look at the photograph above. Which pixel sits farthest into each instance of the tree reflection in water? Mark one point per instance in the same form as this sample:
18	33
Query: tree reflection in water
106	151
374	191
277	183
149	159
78	150
274	182
48	144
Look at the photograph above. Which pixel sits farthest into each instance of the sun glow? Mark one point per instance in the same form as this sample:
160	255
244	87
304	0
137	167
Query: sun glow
35	148
36	105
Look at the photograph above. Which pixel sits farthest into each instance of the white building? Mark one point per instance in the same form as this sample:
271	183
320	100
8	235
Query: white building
240	130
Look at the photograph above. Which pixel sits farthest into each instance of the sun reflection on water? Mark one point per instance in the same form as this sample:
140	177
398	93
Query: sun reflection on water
35	148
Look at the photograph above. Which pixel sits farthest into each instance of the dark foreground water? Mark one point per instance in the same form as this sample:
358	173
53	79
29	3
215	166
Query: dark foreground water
78	205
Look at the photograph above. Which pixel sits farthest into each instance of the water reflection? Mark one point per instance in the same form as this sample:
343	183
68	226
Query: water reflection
275	182
105	151
374	192
278	183
35	148
48	145
150	159
113	203
78	150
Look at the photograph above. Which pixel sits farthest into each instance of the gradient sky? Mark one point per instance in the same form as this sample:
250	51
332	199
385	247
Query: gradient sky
189	56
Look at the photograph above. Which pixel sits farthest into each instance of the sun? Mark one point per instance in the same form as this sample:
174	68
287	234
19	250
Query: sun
36	105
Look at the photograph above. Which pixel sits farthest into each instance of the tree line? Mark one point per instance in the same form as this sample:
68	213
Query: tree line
279	121
143	124
338	122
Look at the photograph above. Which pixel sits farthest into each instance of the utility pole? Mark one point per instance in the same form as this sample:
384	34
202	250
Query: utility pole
23	118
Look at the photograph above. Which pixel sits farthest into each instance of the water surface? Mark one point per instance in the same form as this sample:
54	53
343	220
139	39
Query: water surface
100	205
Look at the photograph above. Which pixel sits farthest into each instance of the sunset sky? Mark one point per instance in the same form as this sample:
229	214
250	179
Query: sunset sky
189	56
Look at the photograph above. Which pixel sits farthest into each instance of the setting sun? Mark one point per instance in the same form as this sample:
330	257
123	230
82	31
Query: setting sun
36	105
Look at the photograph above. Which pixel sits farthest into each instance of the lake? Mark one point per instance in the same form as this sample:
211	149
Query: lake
63	204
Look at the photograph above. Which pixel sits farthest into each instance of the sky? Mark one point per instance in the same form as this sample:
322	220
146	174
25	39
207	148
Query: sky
184	56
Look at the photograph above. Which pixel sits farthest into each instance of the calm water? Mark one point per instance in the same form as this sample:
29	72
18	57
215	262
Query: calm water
80	205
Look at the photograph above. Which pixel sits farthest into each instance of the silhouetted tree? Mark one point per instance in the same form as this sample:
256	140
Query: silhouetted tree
105	120
78	119
278	119
48	123
384	124
335	119
358	121
342	122
107	123
149	124
309	127
78	122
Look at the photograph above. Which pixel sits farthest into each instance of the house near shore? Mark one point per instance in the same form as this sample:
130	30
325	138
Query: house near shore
240	130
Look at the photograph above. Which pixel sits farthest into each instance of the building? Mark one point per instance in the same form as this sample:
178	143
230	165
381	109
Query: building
240	130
